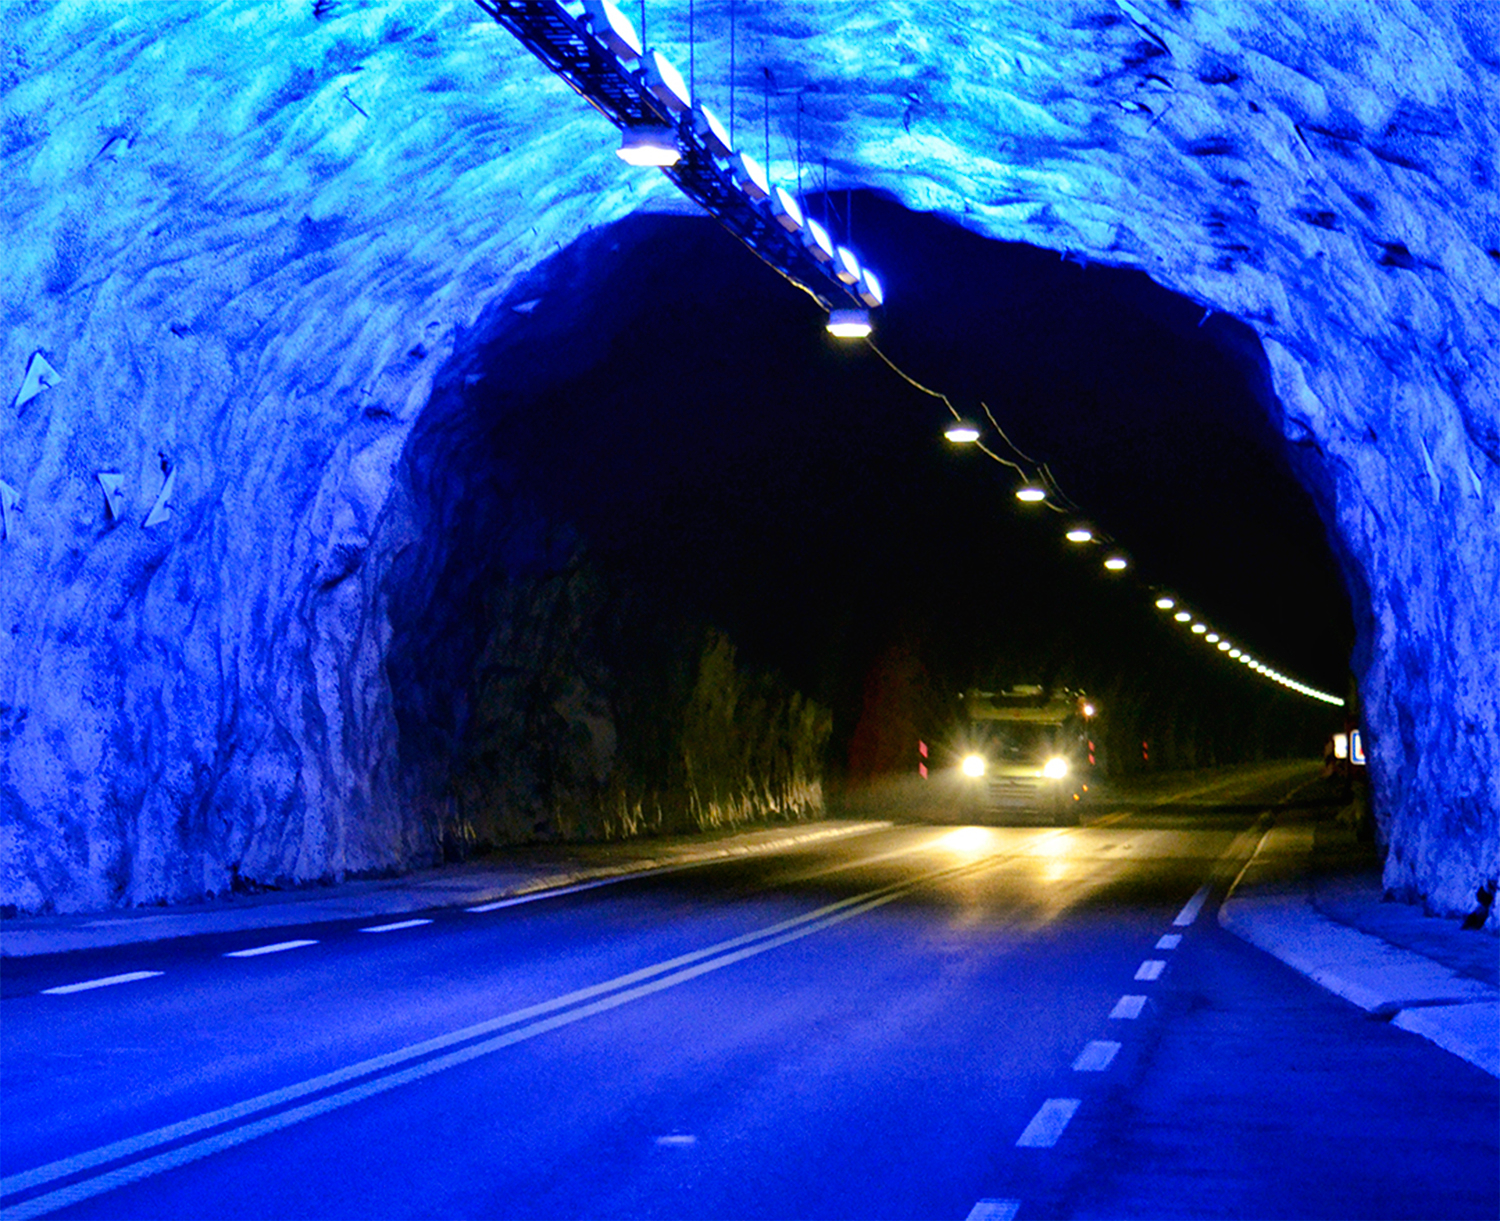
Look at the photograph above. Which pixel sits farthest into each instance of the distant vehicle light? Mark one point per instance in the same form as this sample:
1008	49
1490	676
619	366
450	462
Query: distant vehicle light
849	323
1055	768
1182	616
1031	493
973	765
962	432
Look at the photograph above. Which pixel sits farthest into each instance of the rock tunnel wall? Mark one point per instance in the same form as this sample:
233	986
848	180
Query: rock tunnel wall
245	239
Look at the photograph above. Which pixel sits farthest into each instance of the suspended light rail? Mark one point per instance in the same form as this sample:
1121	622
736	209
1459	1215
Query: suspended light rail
640	91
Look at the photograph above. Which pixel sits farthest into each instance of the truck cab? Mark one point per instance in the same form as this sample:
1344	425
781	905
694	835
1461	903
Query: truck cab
1024	753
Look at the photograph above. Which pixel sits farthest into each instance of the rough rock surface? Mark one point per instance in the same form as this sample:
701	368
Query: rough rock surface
246	238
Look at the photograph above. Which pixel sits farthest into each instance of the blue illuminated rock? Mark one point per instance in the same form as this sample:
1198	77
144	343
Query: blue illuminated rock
247	239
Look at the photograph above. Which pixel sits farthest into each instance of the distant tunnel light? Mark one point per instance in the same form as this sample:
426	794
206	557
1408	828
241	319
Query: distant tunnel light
1165	603
1236	654
849	323
1225	646
711	131
869	288
1031	493
1199	628
611	27
1116	563
962	432
788	214
1212	638
749	176
817	241
1080	534
649	146
1182	616
663	79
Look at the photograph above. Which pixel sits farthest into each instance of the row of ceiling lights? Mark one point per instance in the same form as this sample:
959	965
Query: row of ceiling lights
1034	491
660	146
657	145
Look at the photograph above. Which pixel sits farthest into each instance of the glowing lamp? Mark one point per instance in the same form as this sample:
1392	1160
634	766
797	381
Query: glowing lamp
1236	654
1165	603
1116	563
1225	646
845	266
1199	628
870	289
788	214
1055	768
1212	638
649	146
1031	493
1089	709
712	132
611	27
1080	534
1182	616
663	79
962	432
973	765
817	241
749	176
849	323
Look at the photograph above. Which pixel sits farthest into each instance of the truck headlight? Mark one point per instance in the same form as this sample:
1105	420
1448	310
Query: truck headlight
1056	768
973	765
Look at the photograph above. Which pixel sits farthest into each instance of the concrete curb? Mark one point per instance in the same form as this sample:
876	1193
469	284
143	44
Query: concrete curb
1270	907
452	887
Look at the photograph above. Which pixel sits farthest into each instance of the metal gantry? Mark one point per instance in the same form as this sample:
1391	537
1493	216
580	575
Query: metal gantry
570	48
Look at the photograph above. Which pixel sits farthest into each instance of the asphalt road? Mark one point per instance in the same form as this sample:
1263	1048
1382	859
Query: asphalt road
925	1021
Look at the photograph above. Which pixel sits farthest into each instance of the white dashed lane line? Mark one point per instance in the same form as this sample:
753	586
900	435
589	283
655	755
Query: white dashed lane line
1128	1007
391	928
107	982
268	949
1047	1124
1098	1055
1151	969
994	1210
1169	941
1191	908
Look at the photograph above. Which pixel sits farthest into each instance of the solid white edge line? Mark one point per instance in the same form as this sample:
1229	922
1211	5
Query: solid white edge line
1151	969
1047	1125
1192	907
108	981
391	928
257	951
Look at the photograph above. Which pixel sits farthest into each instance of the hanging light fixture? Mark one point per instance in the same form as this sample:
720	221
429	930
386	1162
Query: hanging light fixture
611	27
1031	493
786	210
1182	616
665	81
817	241
749	176
962	432
1166	602
652	145
849	323
1115	562
846	266
1079	533
869	288
712	132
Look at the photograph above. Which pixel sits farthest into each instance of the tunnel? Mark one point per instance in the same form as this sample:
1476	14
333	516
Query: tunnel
337	486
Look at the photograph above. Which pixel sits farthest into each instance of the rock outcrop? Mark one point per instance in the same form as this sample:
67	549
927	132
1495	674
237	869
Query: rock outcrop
241	242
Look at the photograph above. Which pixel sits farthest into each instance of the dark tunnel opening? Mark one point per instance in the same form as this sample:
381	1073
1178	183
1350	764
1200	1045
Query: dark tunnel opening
649	465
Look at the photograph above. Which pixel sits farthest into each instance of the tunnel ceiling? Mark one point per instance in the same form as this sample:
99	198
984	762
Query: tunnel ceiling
248	237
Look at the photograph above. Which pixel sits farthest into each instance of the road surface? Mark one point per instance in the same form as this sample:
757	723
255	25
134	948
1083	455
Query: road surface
921	1021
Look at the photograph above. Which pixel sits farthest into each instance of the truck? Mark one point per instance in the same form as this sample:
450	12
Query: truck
1025	753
